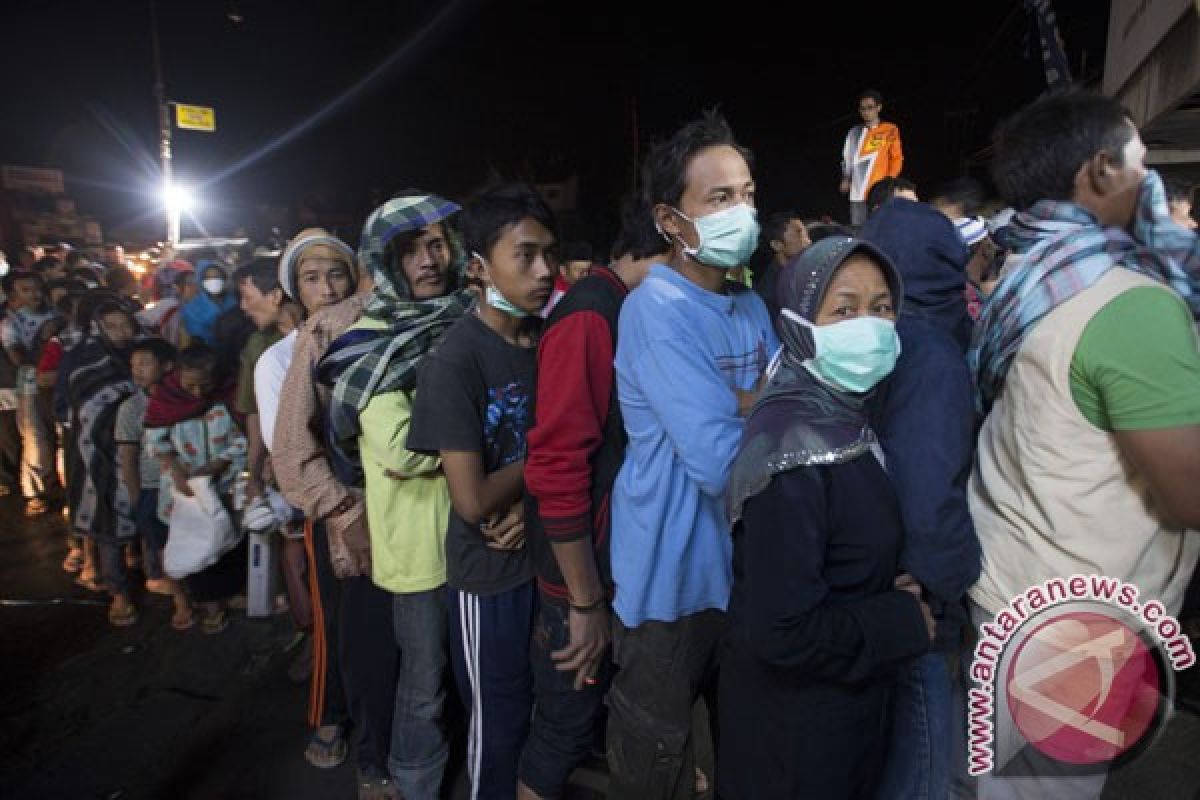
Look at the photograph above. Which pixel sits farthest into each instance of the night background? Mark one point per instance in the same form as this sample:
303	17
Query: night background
323	108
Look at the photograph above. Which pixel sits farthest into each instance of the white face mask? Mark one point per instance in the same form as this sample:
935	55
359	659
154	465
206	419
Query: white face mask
213	285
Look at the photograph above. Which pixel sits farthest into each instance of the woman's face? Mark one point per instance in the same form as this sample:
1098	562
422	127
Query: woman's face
857	289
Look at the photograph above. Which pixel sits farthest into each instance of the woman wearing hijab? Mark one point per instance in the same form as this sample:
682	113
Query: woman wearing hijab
819	620
201	312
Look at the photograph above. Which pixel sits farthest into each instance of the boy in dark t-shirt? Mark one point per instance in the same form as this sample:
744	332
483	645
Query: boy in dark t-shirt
472	407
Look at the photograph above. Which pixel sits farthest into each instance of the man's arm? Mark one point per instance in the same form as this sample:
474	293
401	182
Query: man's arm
1169	459
127	460
895	154
476	496
256	457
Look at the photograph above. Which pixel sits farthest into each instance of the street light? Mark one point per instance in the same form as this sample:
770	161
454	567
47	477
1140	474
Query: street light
176	200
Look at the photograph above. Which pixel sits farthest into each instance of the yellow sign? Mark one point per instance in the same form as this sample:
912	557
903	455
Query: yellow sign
195	118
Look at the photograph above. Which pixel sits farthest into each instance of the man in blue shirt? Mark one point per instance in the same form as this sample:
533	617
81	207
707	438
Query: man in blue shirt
691	349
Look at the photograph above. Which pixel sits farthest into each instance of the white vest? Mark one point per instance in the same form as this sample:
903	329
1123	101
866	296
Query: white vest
1050	493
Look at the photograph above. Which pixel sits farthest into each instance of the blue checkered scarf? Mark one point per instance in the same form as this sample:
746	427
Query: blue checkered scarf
362	363
1061	249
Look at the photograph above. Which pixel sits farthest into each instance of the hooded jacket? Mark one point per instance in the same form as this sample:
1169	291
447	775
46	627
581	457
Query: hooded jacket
924	415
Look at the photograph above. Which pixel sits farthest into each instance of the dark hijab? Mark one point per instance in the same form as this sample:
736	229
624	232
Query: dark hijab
801	421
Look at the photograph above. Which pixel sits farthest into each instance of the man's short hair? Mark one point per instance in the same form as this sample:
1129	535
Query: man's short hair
1178	191
198	356
163	351
775	224
664	174
962	191
262	272
9	281
45	264
823	230
486	218
1039	150
75	258
885	189
873	94
119	278
638	238
576	251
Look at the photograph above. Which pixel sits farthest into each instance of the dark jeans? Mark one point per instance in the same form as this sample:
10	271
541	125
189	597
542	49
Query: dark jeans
420	746
329	595
112	563
663	667
489	645
917	764
564	719
368	659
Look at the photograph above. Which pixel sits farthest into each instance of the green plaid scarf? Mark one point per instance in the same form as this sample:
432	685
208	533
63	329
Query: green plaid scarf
362	363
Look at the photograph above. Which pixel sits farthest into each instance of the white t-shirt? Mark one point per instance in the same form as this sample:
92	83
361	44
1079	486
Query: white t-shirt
269	372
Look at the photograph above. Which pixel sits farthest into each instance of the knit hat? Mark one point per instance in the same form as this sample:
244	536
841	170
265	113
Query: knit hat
312	243
973	230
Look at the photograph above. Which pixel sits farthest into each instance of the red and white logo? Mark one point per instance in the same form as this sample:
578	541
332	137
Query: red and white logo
1083	687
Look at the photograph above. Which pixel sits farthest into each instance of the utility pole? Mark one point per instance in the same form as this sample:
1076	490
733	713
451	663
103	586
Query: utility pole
164	133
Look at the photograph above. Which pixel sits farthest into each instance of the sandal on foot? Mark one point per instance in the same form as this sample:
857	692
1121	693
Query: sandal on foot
326	752
90	583
183	623
376	788
214	623
123	618
159	586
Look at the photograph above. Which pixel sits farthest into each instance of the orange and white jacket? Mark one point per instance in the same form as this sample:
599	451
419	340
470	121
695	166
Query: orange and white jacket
870	155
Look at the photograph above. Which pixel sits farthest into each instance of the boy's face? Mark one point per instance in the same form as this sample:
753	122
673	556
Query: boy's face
263	309
147	369
522	265
196	382
574	271
27	294
118	329
56	295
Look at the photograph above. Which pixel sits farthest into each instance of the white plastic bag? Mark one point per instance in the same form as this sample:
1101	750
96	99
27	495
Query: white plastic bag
200	530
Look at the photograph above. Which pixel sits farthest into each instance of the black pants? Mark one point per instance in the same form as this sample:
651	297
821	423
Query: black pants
662	668
330	590
10	449
368	655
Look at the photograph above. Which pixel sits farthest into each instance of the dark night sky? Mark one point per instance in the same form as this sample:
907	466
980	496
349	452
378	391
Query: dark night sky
521	89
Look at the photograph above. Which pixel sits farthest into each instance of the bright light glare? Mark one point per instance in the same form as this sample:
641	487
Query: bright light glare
178	199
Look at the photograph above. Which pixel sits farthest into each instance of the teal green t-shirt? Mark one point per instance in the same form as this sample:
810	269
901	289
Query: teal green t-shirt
1137	365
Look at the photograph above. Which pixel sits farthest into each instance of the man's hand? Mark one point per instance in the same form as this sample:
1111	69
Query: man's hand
588	646
254	489
845	186
350	541
180	479
907	583
507	532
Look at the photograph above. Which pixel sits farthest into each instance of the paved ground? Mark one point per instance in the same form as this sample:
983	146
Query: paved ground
88	711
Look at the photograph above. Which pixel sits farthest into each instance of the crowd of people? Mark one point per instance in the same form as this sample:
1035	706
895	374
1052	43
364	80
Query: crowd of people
581	497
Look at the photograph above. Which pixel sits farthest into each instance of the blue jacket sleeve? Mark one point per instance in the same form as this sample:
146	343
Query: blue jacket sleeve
926	426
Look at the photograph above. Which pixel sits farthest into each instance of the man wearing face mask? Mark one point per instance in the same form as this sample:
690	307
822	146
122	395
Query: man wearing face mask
691	349
1087	367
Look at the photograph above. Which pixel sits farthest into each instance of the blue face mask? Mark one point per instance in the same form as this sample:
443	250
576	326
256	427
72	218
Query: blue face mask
498	301
727	237
853	355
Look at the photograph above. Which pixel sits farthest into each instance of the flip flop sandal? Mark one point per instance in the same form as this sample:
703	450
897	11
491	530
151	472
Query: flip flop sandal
215	623
90	583
326	753
187	623
123	619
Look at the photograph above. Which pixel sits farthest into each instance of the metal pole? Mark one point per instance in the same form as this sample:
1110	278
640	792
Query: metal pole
164	132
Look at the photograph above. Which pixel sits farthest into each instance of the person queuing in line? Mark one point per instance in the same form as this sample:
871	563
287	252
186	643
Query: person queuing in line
819	620
690	352
319	271
23	333
576	446
1089	451
472	408
415	260
924	418
1179	201
150	360
190	428
201	312
784	236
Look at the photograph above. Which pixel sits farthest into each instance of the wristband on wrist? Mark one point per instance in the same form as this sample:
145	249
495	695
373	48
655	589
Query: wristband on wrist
589	608
342	507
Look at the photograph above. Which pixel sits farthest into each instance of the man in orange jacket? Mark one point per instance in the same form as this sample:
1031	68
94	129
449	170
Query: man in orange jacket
872	151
